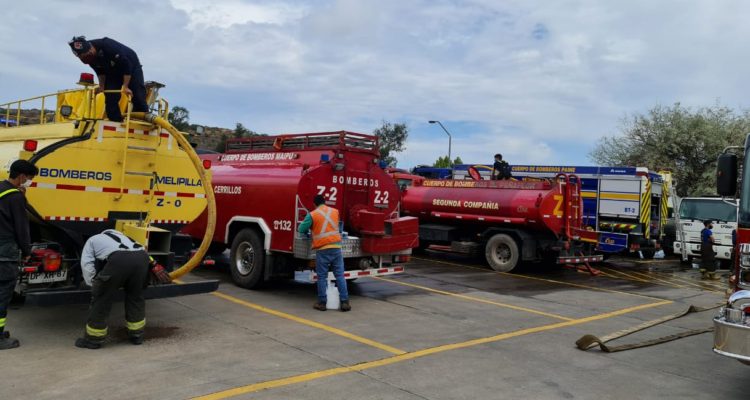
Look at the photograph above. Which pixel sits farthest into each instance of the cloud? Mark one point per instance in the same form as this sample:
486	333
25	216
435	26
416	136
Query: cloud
561	74
223	14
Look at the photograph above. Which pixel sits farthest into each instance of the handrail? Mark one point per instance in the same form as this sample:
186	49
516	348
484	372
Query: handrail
17	104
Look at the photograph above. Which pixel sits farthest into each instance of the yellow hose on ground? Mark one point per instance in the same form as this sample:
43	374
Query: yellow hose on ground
196	259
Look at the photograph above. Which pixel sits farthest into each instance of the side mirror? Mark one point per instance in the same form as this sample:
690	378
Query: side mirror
726	175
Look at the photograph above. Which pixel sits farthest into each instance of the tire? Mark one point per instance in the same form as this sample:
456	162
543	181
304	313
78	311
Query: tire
501	252
246	259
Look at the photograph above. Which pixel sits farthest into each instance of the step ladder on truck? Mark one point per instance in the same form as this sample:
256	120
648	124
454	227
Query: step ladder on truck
140	176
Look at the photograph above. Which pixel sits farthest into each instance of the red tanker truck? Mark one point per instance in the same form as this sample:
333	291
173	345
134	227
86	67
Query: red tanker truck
511	221
264	188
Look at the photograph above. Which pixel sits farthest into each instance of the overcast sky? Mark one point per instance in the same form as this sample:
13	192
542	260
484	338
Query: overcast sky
539	81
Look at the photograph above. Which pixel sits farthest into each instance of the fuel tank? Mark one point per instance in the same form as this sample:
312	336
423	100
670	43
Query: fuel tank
272	181
541	206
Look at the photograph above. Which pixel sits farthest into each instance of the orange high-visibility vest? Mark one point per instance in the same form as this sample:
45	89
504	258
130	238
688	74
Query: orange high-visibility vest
325	226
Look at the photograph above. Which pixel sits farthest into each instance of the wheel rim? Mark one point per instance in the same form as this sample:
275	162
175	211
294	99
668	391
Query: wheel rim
502	253
244	258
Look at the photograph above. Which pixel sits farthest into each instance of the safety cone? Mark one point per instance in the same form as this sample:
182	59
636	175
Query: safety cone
332	294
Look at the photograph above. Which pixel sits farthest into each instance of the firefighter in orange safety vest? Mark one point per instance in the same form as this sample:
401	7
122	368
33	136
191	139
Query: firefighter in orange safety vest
324	224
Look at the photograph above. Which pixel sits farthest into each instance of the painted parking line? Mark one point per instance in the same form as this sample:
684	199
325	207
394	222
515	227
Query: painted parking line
656	279
416	354
661	278
615	274
476	299
534	278
308	322
705	285
630	275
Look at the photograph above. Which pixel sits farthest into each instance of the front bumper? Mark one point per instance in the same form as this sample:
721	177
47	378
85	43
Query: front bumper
694	250
732	339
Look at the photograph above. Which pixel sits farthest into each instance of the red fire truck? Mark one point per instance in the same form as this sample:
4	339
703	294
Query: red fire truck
732	325
265	186
511	221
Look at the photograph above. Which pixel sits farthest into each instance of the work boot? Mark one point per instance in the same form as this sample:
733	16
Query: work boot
712	276
704	273
136	339
319	306
85	343
8	343
345	306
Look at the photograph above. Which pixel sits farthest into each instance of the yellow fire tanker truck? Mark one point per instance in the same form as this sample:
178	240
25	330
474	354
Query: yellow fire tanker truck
140	176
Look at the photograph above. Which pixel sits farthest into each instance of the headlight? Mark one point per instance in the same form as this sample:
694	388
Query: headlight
745	260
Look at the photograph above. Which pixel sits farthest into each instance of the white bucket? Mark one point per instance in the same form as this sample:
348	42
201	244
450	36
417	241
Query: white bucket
332	294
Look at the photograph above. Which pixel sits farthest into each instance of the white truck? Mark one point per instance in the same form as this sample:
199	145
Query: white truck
689	224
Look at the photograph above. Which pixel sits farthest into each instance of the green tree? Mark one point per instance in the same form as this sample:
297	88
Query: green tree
221	146
442	162
240	131
684	141
445	162
179	117
392	138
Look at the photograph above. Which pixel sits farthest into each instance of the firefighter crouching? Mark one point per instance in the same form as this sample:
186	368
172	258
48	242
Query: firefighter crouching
110	261
324	224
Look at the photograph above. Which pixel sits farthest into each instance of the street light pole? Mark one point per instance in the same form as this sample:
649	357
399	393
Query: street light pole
450	160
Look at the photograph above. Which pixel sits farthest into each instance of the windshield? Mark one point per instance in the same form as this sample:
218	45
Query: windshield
703	209
744	211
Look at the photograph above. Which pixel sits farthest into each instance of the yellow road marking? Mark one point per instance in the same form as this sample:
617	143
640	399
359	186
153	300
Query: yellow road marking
416	354
477	299
654	278
519	276
308	322
699	284
624	275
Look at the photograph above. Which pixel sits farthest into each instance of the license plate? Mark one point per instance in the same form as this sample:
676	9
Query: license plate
47	277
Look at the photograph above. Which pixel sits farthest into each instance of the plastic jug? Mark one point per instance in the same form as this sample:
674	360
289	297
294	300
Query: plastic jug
332	294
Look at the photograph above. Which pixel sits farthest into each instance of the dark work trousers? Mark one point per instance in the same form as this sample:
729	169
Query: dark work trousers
9	259
112	100
127	270
708	257
6	295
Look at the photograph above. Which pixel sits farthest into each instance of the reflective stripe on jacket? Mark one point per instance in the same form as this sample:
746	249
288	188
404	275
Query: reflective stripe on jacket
325	228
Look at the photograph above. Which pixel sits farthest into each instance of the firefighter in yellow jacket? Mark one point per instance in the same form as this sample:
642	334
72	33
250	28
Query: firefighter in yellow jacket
324	224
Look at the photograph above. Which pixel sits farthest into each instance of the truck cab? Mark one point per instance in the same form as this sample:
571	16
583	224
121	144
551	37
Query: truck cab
693	211
732	323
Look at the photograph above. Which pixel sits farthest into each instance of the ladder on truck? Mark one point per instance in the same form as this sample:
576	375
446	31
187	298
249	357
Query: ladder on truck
570	186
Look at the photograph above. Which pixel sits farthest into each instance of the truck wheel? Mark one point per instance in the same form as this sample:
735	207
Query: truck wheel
246	259
501	252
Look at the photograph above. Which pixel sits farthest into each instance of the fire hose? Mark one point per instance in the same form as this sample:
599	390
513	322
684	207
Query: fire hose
197	257
587	342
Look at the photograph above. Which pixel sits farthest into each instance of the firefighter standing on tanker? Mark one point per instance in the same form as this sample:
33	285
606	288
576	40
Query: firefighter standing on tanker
15	239
324	224
117	67
110	261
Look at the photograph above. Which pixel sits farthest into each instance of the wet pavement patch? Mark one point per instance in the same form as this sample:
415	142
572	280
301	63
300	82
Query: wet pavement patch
151	333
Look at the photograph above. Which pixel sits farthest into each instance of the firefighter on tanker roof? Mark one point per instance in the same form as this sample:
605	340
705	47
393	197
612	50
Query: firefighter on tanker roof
324	224
117	67
15	239
501	168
